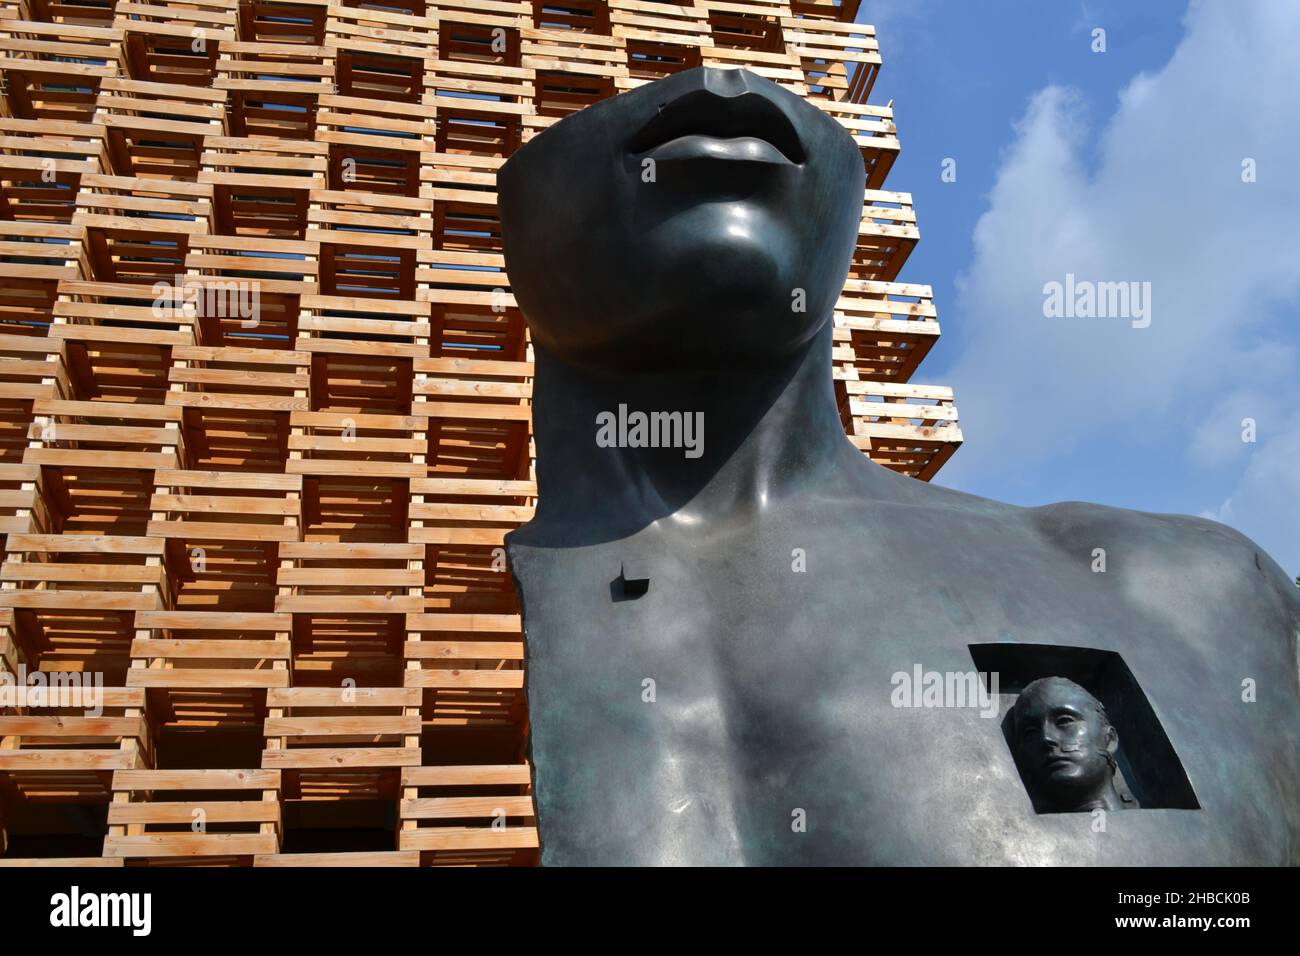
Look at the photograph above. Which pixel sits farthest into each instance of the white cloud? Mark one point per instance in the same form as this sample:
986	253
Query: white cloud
1156	195
1266	502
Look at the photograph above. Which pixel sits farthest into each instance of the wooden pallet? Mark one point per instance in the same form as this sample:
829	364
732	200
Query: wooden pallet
214	816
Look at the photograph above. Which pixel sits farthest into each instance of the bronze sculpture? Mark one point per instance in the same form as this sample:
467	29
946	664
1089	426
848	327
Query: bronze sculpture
710	638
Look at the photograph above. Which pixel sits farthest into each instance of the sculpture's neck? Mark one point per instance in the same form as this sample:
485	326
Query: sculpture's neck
739	440
1108	799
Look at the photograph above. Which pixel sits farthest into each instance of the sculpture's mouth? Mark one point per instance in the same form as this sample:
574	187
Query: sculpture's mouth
745	149
701	124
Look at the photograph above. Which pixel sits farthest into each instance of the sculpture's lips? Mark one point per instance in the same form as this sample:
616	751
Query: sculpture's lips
737	149
702	124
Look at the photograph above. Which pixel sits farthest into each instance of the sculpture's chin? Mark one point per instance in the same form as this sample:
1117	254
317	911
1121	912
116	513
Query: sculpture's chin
1075	786
729	255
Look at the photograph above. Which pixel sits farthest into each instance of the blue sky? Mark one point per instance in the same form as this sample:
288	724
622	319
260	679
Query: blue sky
1117	166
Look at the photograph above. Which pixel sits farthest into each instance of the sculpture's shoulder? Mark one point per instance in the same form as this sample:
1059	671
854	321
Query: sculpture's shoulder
1179	561
1188	560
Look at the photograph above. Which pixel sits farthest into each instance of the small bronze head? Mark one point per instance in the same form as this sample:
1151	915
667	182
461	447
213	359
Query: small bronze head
1065	746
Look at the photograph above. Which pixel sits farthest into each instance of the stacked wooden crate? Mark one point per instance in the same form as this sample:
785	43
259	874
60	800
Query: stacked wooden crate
265	403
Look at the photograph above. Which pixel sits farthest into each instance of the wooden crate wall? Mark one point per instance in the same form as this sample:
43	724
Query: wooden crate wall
265	403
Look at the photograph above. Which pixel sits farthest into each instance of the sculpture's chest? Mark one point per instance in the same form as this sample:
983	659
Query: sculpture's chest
748	707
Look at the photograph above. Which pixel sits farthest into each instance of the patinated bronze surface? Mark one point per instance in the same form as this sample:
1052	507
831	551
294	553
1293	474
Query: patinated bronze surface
711	639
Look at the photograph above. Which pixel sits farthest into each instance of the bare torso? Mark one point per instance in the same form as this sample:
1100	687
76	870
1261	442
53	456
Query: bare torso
772	695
